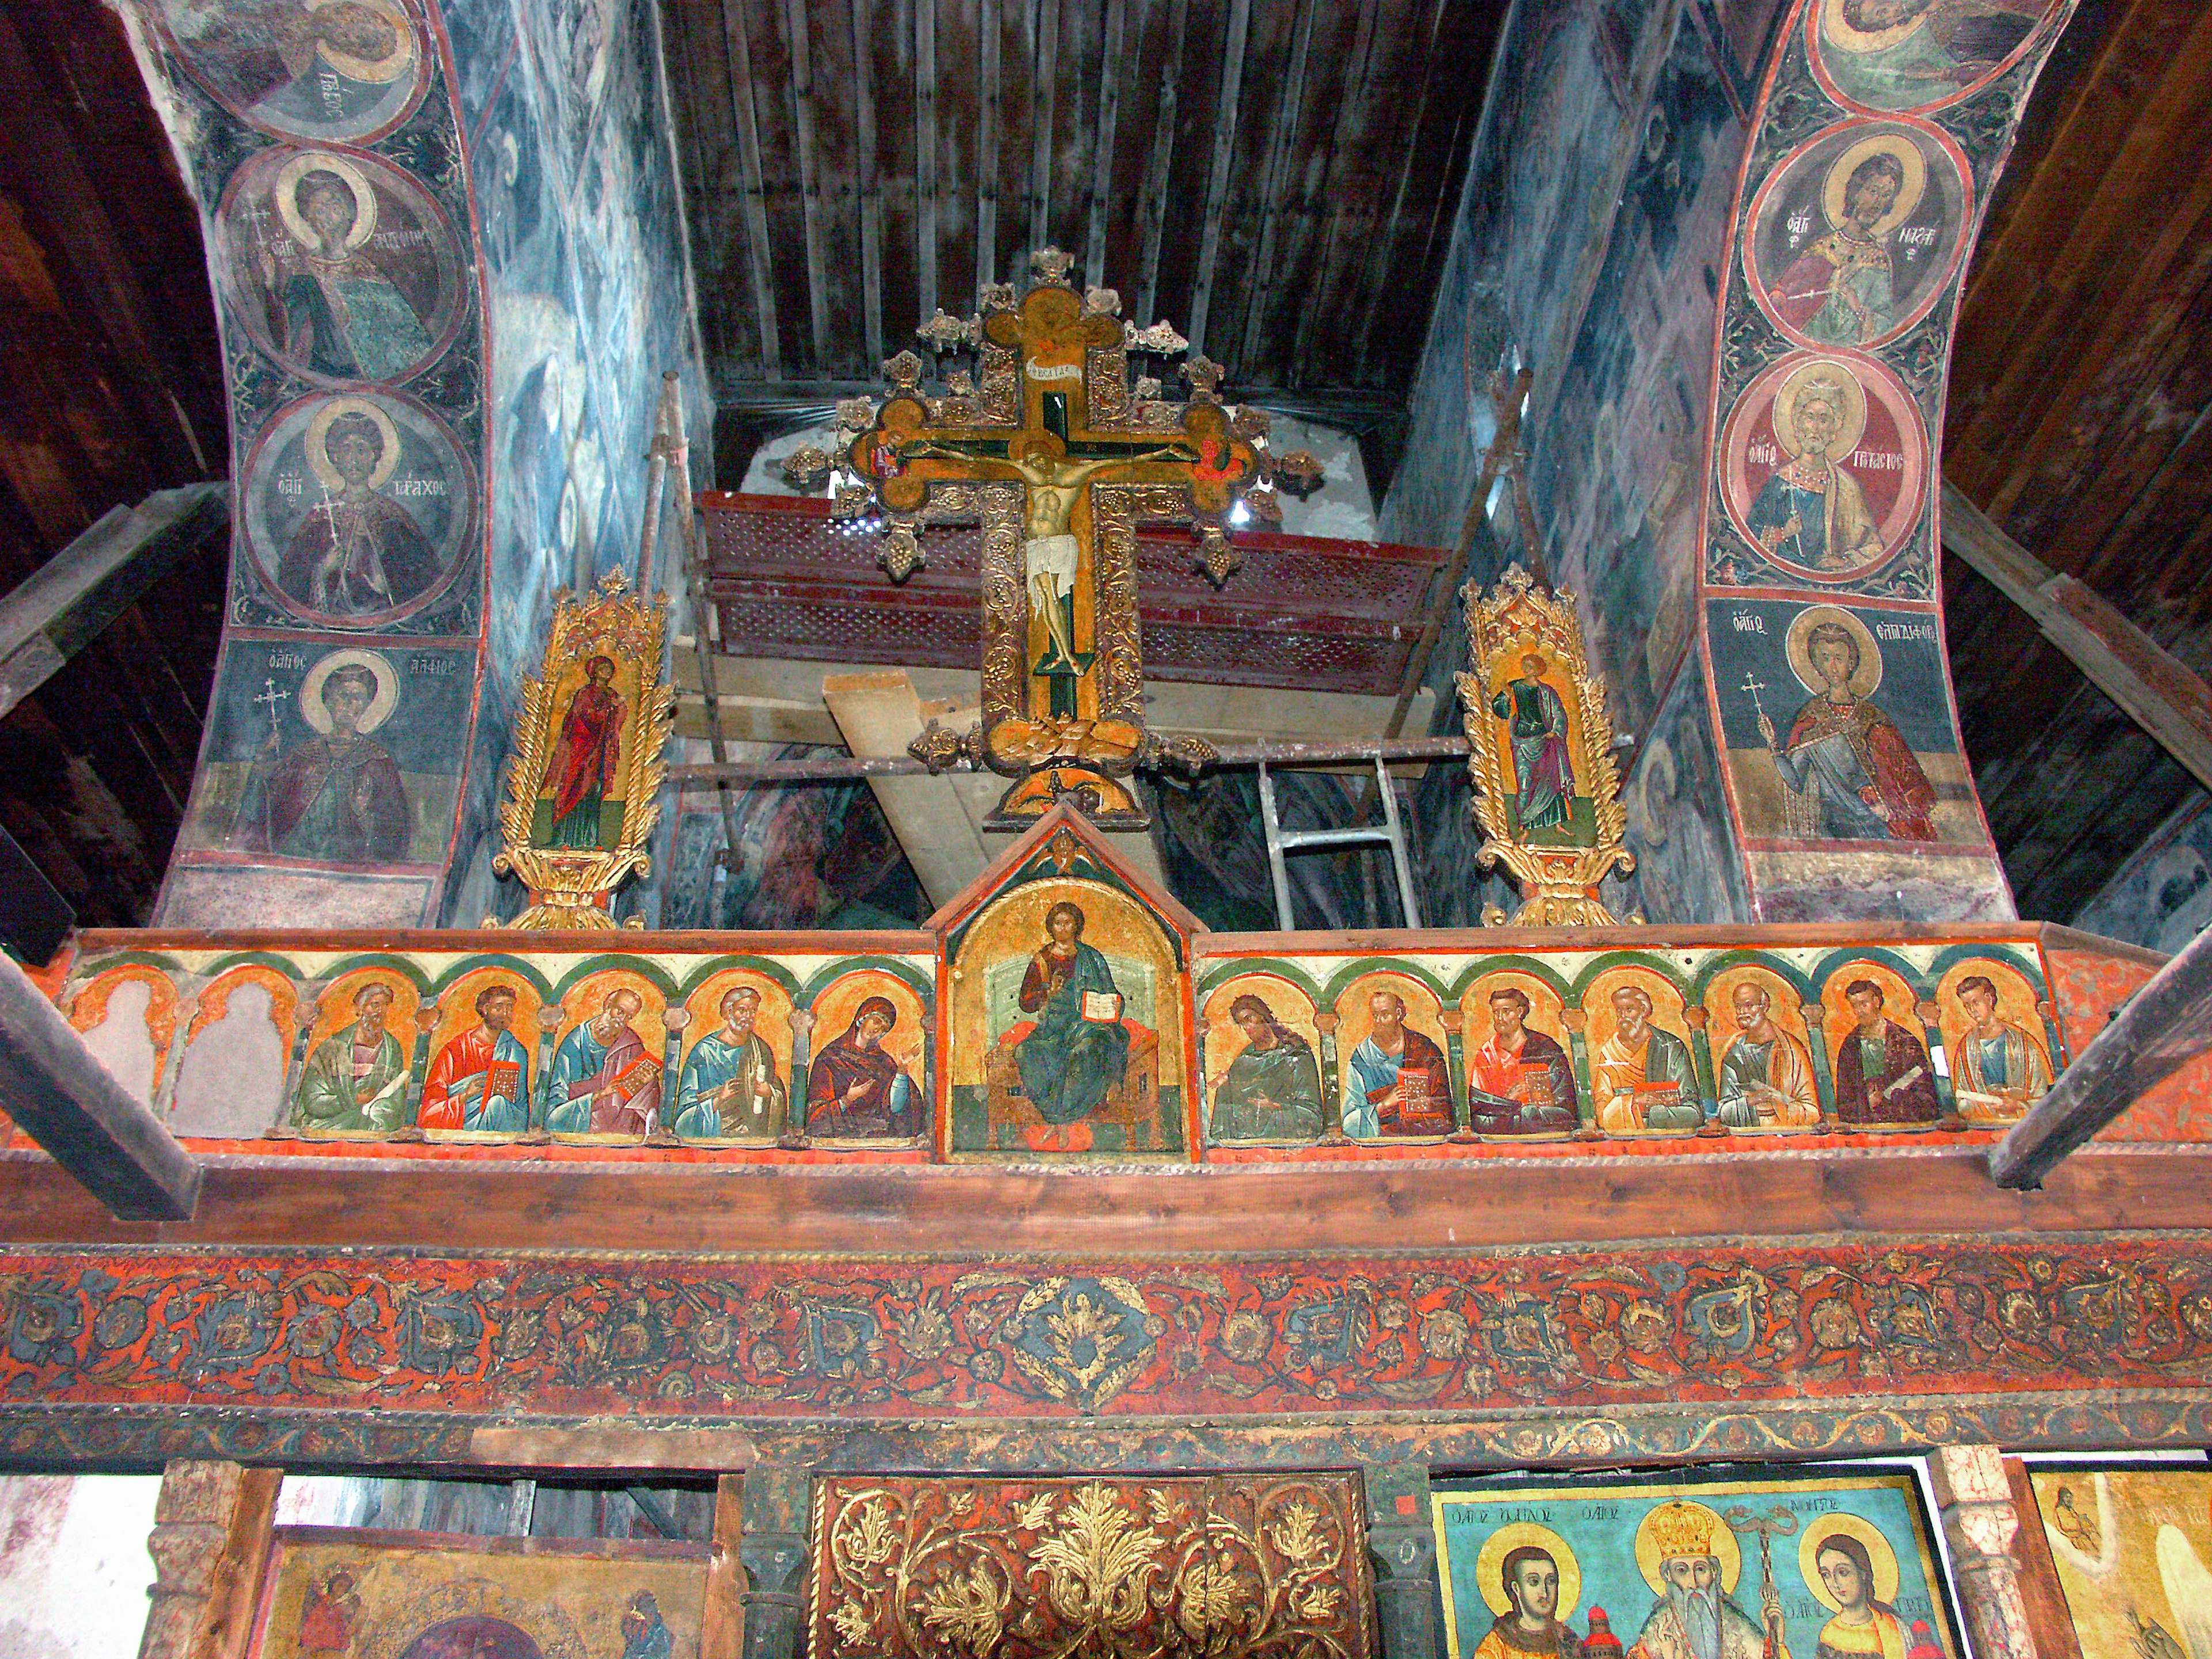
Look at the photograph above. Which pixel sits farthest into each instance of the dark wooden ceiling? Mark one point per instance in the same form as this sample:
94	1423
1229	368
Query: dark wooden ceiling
2081	383
1276	177
110	387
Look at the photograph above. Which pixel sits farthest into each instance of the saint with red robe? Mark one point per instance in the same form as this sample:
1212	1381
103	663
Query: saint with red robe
1864	781
587	758
855	1088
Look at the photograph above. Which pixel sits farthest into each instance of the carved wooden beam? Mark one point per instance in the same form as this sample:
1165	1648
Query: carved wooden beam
2153	688
96	577
2164	1025
61	1096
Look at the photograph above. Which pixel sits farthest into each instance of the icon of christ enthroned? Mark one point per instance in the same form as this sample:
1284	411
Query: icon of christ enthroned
1061	467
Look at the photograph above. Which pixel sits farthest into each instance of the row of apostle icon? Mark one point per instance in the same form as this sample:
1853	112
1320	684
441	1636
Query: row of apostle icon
1519	1056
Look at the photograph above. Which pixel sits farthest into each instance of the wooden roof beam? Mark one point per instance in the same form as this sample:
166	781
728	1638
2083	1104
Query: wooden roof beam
2161	1028
2152	687
59	1094
76	594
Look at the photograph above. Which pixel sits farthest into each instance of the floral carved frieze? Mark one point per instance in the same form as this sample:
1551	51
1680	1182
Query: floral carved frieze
1237	1568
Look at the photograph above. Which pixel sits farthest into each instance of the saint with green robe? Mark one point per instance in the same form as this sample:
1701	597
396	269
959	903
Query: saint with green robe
357	1078
1272	1090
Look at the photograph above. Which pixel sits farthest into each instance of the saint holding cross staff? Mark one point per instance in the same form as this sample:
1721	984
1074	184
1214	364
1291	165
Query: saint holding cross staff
1061	485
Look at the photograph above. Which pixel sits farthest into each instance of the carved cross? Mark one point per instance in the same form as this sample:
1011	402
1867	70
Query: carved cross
1052	452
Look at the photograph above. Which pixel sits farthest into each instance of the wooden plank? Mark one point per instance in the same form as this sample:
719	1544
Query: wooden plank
1217	177
1044	87
990	91
2154	688
2164	1025
1152	205
60	1095
722	1621
938	820
1323	1206
1102	155
241	1565
926	183
739	42
76	594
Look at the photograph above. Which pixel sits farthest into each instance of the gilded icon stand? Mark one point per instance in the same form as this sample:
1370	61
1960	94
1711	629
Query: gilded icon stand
588	760
1547	794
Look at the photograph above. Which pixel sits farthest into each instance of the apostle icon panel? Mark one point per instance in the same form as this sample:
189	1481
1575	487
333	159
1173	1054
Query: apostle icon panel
1885	1077
480	1075
1994	1032
359	509
1261	1060
604	1077
1397	1081
1825	1565
1520	1081
340	267
1644	1077
1765	1079
355	1078
735	1081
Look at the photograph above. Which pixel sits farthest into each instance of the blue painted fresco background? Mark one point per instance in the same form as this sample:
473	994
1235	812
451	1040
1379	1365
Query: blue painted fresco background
1599	1520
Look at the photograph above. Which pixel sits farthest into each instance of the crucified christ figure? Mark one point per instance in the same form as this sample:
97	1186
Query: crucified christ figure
1051	551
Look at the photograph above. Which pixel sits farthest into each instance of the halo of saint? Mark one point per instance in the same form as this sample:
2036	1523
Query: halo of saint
1865	679
1850	412
318	444
1681	1526
286	191
1835	189
1489	1565
311	708
1851	1570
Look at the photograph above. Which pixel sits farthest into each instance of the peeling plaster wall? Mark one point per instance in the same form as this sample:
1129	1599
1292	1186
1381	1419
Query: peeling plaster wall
74	1566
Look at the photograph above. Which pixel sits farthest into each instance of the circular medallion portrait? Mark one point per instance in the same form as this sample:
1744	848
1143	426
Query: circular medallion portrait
1823	463
340	71
1901	55
359	510
340	267
1853	239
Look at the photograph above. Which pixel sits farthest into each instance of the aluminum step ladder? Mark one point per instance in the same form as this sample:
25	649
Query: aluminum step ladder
1391	831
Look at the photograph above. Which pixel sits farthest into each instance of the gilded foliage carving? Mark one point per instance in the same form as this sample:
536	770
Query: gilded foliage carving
1133	1568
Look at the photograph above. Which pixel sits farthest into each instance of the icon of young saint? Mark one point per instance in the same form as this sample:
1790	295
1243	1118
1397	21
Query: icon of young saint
337	796
357	1078
604	1080
587	756
342	315
1522	1082
1998	1069
1643	1077
728	1086
1530	1625
481	1078
1536	724
1812	511
357	552
1272	1090
1841	289
1766	1077
1882	1071
1401	1080
1078	1047
1843	752
855	1087
1863	1626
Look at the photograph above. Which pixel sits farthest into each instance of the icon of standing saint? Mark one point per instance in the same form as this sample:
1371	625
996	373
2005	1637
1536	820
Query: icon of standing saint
586	769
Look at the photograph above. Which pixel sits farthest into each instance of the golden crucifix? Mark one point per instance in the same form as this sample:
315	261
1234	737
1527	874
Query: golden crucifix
1061	463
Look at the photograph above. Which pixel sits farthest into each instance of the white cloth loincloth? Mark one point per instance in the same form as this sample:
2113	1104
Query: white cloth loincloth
1055	557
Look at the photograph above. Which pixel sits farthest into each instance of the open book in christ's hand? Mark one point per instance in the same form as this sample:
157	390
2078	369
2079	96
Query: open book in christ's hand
1103	1006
